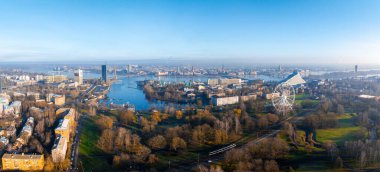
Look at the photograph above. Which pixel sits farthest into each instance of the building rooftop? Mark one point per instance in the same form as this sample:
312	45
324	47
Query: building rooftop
21	156
59	142
63	124
16	103
294	79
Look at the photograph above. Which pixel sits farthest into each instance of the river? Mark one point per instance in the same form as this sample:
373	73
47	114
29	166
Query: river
126	90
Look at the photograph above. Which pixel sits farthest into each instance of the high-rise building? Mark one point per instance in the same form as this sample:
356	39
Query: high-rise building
104	73
78	74
129	68
356	68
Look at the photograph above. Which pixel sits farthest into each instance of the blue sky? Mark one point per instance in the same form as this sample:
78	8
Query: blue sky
282	31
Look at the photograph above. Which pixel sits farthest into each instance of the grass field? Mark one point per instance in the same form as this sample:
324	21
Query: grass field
302	96
318	159
345	131
90	156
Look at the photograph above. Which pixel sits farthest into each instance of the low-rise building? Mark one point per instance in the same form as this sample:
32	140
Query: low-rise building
248	97
4	102
225	81
33	94
58	100
8	132
55	78
22	162
271	96
3	142
59	149
16	105
221	101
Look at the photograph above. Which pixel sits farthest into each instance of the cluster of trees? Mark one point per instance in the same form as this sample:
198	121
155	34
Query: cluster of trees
126	146
191	130
321	121
170	92
257	157
363	152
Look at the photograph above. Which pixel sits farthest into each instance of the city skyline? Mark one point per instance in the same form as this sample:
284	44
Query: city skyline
259	31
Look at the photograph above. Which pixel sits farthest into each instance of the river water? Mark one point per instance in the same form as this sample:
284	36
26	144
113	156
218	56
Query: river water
126	91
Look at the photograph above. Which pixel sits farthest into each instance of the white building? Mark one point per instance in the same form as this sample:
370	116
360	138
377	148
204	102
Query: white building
294	79
59	149
221	101
16	105
225	81
4	102
79	76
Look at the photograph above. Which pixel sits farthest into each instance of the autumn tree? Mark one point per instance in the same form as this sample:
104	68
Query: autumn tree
127	117
157	142
177	144
178	114
104	122
106	140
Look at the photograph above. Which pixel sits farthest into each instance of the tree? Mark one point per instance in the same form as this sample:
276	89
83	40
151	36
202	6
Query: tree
157	142
152	159
272	118
127	117
263	122
338	163
178	114
340	109
326	106
271	166
178	143
221	136
216	168
106	140
105	122
156	116
331	148
120	135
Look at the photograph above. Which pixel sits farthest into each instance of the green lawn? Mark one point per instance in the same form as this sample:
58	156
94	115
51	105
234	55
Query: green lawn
302	96
90	156
345	130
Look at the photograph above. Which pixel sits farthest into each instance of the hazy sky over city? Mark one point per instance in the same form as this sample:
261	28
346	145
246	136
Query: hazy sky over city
282	31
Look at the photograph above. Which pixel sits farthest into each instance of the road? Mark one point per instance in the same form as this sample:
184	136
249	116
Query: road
75	147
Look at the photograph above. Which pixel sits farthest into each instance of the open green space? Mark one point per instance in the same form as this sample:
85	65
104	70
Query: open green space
302	96
345	130
90	156
317	159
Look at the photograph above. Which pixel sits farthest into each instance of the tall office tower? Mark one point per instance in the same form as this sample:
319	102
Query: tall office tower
129	68
356	68
78	74
104	73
